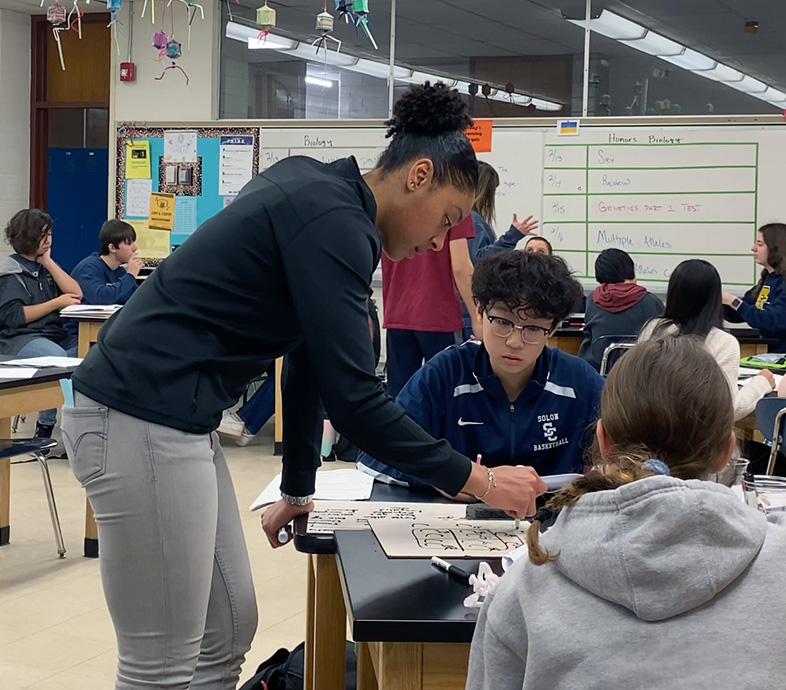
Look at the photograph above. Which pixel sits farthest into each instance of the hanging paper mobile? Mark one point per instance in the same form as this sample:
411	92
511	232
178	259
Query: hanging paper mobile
266	20
152	11
56	16
191	9
362	20
74	18
325	27
173	51
114	6
344	10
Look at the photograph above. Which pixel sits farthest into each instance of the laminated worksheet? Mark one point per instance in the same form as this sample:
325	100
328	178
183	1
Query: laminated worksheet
448	538
328	516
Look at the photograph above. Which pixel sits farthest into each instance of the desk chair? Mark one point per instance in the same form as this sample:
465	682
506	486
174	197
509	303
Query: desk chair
770	415
37	446
611	354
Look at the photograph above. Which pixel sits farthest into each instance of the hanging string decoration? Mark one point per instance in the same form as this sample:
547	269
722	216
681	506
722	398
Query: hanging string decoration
74	19
363	21
114	6
167	46
191	10
344	11
56	16
152	11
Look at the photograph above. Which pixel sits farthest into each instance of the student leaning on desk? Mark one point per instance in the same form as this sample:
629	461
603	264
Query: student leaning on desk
646	576
284	270
509	400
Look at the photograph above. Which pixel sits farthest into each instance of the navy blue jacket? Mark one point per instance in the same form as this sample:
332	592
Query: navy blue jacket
767	313
100	284
456	396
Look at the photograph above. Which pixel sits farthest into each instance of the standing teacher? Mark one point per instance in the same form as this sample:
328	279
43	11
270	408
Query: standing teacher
284	270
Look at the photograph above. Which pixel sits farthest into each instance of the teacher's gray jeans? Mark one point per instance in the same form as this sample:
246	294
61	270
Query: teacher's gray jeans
174	563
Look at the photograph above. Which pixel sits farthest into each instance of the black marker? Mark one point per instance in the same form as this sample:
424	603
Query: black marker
451	570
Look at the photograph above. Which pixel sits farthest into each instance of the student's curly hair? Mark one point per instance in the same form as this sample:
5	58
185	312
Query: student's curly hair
541	285
26	230
429	122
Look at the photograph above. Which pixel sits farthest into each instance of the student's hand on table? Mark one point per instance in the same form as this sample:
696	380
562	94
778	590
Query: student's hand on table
279	515
767	374
68	300
727	298
526	226
134	265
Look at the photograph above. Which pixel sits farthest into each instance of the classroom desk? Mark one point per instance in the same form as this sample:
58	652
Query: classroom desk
89	328
22	396
408	619
326	614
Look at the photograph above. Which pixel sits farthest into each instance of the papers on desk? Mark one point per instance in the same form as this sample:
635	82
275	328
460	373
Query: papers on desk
332	485
42	362
328	516
747	374
85	310
10	373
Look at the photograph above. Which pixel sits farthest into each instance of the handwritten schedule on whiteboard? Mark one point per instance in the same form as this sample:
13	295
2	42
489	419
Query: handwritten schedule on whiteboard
662	199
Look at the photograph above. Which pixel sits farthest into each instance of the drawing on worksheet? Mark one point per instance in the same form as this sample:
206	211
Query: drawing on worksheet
448	538
328	516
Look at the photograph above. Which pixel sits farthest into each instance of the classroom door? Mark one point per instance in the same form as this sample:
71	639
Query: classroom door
77	201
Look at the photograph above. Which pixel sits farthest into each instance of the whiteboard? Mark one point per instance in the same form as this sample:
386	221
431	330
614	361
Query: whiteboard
662	193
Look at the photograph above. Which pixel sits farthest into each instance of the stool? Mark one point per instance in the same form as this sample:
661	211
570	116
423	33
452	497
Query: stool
10	448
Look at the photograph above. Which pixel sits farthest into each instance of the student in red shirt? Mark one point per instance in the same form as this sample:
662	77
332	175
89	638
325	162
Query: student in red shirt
421	305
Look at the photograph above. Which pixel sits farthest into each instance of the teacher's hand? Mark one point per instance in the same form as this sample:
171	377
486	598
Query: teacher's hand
727	298
279	515
516	490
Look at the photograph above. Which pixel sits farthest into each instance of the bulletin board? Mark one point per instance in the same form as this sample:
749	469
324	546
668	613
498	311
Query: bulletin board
198	191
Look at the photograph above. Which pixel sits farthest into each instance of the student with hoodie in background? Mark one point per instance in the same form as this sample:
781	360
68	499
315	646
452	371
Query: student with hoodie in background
672	581
33	290
619	306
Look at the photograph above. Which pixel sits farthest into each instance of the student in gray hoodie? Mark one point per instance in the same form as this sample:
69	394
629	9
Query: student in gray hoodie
648	577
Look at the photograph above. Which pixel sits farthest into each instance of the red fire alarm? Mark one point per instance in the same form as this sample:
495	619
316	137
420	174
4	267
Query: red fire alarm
127	71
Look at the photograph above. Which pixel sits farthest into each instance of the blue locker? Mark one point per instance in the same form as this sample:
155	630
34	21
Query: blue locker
77	201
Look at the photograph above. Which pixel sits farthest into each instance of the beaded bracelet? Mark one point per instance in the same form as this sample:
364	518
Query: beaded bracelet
492	483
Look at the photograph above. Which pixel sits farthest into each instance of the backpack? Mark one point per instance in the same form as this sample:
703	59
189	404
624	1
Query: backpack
284	670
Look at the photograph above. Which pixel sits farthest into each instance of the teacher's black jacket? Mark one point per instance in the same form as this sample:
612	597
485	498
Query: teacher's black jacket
285	269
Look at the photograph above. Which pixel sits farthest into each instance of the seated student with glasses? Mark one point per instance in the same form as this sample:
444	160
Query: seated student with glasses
508	399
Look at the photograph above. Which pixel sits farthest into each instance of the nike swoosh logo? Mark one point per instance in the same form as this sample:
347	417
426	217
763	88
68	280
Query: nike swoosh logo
461	422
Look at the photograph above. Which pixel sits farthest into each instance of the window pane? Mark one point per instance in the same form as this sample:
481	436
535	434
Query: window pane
97	131
66	128
627	80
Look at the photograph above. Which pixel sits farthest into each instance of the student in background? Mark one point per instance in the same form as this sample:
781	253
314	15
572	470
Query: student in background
619	306
539	245
110	277
694	308
33	290
508	398
284	270
764	306
669	576
421	304
486	241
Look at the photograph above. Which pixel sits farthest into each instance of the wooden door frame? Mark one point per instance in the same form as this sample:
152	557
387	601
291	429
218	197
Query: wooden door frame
40	105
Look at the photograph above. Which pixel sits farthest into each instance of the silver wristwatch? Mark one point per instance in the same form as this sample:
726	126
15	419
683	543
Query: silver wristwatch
297	500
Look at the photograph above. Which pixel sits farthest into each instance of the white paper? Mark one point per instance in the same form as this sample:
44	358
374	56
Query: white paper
17	373
138	197
180	147
448	538
332	485
328	516
236	164
745	380
43	362
81	309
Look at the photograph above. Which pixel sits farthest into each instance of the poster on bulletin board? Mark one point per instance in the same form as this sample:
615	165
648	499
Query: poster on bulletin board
196	199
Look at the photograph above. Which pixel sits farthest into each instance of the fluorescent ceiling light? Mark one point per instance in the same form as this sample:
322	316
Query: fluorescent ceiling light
690	60
381	70
655	44
318	81
722	73
613	26
240	32
541	104
305	51
772	96
272	42
421	77
749	85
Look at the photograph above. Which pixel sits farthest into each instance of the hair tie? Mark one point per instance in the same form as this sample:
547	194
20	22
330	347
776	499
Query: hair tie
657	467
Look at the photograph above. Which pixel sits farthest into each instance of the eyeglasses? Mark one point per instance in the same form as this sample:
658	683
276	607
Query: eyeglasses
532	335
